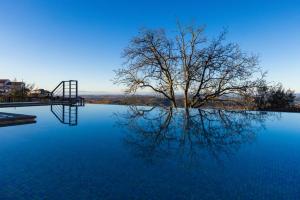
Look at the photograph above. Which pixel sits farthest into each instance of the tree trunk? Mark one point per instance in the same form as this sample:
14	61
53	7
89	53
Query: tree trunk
187	103
186	99
174	104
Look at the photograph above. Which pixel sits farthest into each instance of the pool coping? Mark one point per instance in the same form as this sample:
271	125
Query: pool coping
12	119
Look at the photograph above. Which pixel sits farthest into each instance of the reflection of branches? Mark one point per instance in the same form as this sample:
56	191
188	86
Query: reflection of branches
151	128
221	131
155	133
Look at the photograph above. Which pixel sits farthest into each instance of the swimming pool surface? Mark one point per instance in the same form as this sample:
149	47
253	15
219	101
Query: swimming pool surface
121	152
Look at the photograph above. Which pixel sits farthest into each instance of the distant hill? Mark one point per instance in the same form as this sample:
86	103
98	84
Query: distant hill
127	100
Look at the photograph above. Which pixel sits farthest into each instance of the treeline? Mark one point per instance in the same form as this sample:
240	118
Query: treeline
146	100
275	98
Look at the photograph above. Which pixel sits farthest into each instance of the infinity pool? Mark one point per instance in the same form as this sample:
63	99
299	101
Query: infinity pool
120	152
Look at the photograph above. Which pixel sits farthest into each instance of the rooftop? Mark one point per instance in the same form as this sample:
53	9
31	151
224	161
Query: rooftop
4	80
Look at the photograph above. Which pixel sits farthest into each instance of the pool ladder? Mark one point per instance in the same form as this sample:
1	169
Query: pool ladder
66	92
66	114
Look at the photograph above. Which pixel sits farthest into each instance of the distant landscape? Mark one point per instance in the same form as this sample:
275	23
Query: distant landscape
147	100
150	100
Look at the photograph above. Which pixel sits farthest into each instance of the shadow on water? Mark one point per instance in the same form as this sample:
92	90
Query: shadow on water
189	136
66	114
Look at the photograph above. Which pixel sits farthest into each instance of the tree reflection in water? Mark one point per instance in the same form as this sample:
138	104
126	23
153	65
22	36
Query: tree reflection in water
188	136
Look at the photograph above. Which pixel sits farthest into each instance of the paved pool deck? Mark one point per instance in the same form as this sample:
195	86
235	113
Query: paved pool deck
38	103
26	104
11	119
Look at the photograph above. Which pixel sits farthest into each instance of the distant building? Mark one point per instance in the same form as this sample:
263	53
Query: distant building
40	93
4	85
16	86
7	86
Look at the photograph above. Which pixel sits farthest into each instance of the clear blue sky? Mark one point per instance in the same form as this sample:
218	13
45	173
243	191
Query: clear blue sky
44	42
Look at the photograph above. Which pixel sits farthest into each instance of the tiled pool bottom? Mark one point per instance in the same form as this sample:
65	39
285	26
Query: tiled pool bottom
119	152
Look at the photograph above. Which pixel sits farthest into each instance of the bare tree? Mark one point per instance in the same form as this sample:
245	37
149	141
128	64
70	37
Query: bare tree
189	45
150	63
203	70
221	71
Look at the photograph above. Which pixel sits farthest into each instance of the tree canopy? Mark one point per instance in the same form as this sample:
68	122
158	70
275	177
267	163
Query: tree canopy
188	64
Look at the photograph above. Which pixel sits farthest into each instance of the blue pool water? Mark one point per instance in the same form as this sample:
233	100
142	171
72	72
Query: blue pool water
120	152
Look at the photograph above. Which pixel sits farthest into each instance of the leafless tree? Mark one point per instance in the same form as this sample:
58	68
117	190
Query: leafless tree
203	70
150	63
217	70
